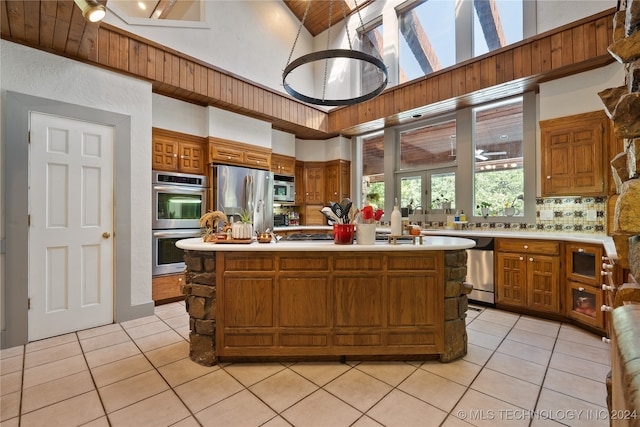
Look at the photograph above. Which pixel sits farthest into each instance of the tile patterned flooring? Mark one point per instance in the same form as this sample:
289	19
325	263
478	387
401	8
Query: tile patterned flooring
519	371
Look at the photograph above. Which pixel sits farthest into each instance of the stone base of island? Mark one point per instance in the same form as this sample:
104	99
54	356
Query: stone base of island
319	300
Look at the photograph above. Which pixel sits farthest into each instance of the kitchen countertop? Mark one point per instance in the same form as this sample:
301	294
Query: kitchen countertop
602	239
429	243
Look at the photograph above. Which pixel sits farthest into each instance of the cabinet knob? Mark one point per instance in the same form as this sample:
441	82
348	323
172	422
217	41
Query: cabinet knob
175	155
606	273
228	157
581	289
606	340
605	259
606	308
608	288
521	258
182	157
580	250
548	176
607	266
526	246
531	259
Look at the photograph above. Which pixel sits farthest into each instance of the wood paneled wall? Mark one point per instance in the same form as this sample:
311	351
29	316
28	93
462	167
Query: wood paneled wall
57	26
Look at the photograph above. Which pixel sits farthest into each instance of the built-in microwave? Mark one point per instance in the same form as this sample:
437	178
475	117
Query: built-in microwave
284	189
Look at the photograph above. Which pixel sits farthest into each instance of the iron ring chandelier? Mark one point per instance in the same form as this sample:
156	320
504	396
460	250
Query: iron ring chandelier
330	54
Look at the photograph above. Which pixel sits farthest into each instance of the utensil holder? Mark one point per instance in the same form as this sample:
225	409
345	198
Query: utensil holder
343	234
365	234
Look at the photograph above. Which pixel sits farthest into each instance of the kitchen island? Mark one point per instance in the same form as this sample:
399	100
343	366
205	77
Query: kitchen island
320	300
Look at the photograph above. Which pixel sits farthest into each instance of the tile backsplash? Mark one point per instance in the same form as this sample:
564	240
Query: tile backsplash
560	214
554	214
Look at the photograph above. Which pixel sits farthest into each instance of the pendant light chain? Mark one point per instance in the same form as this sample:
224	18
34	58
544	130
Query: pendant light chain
304	18
326	61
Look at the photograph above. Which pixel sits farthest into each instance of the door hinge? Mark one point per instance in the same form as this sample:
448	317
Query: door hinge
29	137
28	303
29	220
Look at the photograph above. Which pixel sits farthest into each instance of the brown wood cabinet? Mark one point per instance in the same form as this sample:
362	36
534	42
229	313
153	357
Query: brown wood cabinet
334	304
283	165
165	289
177	152
314	183
222	151
337	180
584	294
528	274
299	175
575	155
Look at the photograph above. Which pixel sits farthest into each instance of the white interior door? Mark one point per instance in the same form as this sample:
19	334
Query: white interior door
71	225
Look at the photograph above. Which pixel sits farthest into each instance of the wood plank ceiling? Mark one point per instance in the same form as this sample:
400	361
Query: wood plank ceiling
57	26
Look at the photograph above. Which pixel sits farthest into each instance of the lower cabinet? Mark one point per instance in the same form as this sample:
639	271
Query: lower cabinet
584	304
165	289
528	274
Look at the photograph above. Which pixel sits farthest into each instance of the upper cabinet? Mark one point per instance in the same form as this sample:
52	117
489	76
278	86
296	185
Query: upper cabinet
283	165
177	152
575	155
337	180
227	152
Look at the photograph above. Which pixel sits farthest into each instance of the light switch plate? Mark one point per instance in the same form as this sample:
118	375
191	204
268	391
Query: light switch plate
546	215
591	214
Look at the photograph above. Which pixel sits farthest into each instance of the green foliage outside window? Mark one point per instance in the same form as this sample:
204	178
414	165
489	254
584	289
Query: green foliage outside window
499	188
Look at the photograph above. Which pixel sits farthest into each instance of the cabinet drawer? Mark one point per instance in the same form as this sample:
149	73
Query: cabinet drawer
528	246
225	154
258	160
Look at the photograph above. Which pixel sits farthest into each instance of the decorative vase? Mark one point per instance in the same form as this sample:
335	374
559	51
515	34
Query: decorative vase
343	234
485	212
446	205
242	230
509	211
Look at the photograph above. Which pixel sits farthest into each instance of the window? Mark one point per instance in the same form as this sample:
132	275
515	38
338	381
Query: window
427	39
372	44
498	150
496	24
373	170
428	146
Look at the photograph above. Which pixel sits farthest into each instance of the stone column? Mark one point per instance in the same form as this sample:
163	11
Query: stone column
200	297
455	305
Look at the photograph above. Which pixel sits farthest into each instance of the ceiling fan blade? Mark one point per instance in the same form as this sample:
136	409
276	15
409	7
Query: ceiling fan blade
495	153
480	157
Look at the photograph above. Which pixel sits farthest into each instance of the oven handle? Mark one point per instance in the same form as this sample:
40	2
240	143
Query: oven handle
176	233
178	189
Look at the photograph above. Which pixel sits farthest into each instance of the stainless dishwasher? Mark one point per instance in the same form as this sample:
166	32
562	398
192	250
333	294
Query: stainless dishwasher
480	270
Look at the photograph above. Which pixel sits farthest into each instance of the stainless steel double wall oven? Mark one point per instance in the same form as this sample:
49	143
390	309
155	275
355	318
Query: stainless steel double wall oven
179	200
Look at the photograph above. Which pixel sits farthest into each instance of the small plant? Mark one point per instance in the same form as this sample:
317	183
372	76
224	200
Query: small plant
245	217
513	202
483	205
440	201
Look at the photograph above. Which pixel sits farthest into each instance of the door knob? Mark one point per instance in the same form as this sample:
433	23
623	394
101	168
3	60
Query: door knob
106	235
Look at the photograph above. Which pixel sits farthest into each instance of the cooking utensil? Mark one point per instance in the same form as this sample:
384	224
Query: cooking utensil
328	213
337	210
345	216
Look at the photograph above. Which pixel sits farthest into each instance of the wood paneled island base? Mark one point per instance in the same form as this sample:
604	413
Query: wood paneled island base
306	304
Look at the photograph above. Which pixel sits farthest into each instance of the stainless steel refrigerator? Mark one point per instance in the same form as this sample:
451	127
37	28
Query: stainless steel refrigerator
238	189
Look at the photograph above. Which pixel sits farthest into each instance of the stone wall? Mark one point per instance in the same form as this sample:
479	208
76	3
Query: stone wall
622	105
199	289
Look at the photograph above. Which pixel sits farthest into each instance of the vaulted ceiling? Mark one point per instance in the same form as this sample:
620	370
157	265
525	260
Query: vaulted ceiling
57	26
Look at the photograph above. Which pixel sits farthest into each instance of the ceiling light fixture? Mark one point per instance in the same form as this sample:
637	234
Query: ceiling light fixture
91	10
328	54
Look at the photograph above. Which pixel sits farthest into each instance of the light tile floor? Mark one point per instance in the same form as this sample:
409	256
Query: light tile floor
519	371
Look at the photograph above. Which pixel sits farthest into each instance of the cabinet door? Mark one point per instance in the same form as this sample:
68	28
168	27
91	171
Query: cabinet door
314	185
313	216
543	278
165	155
299	174
511	279
283	165
332	183
191	159
584	263
573	151
345	180
583	304
225	153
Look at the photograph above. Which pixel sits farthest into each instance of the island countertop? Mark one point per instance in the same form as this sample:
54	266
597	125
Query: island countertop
429	243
